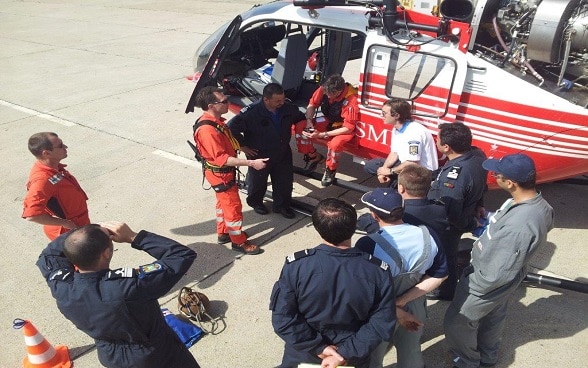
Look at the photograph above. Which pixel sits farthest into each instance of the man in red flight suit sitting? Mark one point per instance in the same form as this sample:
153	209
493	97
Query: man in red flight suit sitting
338	102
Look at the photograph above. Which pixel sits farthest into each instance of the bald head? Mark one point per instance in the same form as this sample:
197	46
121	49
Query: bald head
84	246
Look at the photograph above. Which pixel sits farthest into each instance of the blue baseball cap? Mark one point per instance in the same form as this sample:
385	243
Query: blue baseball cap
518	167
383	200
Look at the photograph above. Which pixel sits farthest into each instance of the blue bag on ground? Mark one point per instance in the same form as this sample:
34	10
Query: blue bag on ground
186	331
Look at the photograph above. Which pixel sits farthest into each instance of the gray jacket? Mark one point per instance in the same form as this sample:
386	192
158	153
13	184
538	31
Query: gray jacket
500	256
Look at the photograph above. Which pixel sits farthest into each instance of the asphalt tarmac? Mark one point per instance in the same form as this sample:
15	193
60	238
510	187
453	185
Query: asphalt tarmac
110	78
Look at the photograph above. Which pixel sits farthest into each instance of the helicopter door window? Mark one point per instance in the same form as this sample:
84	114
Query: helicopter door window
409	75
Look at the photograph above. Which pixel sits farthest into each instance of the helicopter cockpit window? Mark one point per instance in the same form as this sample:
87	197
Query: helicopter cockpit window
408	75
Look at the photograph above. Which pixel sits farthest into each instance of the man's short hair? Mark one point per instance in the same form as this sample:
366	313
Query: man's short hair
334	83
456	135
84	245
207	96
401	107
40	142
334	220
395	215
272	89
416	180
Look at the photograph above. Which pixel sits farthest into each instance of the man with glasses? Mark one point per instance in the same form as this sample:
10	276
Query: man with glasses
264	129
460	187
412	143
475	318
218	148
54	197
338	102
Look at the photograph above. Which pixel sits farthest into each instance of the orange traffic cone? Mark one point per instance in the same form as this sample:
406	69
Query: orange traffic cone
40	353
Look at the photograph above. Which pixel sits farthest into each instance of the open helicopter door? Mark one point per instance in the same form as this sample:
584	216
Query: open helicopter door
208	62
430	76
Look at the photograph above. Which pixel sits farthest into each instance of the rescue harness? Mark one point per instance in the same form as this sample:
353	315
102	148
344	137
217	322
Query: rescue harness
207	165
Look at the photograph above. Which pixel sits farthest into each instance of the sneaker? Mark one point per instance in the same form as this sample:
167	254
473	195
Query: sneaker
246	248
225	238
328	177
311	162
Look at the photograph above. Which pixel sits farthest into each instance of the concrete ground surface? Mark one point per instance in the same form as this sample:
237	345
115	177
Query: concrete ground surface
109	77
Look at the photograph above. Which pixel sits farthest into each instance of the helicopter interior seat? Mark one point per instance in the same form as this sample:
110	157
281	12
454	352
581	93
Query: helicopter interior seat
290	64
338	52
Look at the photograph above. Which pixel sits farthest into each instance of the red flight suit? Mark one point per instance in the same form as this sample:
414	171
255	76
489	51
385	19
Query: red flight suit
344	111
57	193
216	148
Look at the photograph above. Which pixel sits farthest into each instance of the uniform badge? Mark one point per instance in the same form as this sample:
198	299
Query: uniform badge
56	178
150	268
454	172
413	148
120	273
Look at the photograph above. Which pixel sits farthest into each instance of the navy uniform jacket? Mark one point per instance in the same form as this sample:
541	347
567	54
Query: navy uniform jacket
119	308
422	211
253	127
336	297
460	185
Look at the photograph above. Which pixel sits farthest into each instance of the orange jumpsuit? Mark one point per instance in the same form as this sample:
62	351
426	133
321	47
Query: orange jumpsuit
343	110
57	193
216	148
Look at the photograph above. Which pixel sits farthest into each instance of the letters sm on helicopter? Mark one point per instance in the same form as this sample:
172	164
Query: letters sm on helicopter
515	72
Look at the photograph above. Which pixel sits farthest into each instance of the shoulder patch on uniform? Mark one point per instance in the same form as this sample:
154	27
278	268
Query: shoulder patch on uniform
413	148
56	178
243	110
454	172
120	273
299	255
150	268
63	274
378	262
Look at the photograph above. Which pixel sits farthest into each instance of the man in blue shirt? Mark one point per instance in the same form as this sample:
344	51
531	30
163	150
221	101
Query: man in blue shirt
417	264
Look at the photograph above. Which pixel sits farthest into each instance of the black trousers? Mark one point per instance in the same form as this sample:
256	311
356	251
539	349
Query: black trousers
281	174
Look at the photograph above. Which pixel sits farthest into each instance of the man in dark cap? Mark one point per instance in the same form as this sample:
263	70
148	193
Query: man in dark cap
417	264
475	318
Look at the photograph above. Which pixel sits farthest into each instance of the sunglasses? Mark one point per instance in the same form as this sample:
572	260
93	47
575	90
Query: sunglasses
60	145
225	101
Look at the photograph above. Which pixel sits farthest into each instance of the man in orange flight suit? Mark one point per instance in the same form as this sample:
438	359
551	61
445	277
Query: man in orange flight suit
338	102
54	197
218	148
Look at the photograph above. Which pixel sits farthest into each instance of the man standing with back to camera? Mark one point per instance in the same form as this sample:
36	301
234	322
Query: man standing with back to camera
475	319
264	129
333	304
119	308
54	197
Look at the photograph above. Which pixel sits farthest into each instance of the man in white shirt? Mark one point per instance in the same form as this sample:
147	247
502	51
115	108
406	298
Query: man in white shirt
412	143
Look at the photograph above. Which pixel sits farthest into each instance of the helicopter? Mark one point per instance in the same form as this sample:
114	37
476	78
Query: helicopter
514	71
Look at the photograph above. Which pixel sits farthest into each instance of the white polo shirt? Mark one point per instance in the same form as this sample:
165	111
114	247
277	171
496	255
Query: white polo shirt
413	142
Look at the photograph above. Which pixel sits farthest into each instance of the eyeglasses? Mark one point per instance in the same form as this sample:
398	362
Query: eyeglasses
225	101
60	145
392	113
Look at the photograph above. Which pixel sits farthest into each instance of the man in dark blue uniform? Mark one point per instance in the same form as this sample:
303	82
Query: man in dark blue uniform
333	304
264	129
460	186
119	308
